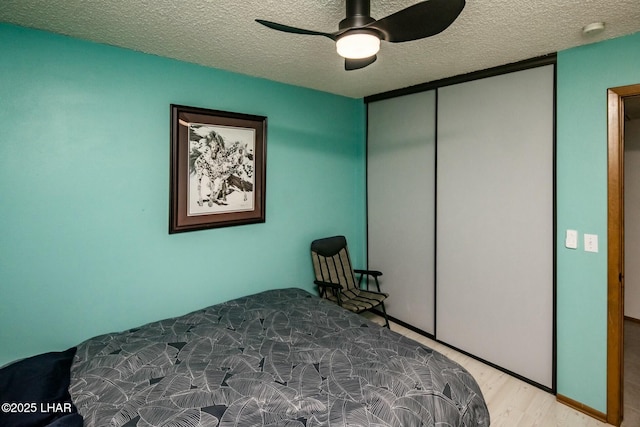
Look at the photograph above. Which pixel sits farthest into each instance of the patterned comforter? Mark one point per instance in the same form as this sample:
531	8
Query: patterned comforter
280	358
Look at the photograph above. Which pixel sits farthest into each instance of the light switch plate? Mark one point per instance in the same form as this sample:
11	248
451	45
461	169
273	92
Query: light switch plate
591	242
571	240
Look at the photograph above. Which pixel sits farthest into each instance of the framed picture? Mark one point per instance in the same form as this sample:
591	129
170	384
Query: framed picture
218	169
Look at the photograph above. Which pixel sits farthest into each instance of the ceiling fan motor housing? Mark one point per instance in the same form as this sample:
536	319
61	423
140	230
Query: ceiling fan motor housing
357	14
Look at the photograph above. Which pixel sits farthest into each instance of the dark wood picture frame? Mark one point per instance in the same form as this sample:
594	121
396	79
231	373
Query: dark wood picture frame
217	169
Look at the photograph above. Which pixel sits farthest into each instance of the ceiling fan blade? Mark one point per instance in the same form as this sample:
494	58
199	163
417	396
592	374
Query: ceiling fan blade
294	30
424	19
355	64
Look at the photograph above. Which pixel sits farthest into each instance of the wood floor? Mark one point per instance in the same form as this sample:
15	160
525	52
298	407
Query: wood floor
514	403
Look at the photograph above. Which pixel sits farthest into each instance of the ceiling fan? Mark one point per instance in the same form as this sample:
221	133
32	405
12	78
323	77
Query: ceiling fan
358	36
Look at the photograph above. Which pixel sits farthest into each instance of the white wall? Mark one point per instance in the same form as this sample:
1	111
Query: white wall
631	221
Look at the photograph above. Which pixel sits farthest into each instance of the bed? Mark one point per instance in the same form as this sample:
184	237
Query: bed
281	358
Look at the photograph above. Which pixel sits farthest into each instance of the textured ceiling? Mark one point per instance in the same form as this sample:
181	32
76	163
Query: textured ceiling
223	34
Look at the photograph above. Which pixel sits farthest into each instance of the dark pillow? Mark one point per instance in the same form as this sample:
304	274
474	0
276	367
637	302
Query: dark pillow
35	391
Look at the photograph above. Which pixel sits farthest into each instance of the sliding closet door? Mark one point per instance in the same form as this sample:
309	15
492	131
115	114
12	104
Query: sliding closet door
400	194
495	220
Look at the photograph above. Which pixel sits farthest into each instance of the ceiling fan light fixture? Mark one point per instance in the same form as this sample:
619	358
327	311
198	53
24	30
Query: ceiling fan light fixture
358	45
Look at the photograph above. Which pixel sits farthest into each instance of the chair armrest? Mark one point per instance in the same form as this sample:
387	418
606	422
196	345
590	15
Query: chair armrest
374	273
337	289
328	284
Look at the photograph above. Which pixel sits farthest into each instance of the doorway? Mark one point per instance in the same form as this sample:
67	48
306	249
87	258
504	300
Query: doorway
615	238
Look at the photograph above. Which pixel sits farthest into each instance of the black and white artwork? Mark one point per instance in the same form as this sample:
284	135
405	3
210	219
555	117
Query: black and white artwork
218	169
221	169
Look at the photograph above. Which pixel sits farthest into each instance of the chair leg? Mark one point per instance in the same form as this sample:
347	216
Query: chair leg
360	282
386	319
377	283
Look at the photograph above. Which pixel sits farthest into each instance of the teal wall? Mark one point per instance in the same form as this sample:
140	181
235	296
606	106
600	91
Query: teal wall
84	196
584	75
